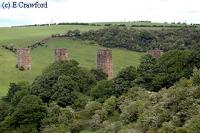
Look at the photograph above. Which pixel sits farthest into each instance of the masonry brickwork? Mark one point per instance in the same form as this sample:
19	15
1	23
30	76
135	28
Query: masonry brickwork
61	54
23	59
104	61
155	53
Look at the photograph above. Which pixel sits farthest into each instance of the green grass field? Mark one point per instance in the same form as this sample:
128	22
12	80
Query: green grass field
82	51
23	36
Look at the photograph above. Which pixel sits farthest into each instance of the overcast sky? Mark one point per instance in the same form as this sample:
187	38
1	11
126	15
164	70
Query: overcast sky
104	11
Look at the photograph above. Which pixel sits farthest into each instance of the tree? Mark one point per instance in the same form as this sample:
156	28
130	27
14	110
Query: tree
65	89
61	80
30	111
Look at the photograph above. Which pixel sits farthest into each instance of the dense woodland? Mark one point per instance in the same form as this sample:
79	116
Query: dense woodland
160	96
142	40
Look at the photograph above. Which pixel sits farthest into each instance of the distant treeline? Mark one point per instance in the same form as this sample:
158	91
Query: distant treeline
122	24
64	23
142	40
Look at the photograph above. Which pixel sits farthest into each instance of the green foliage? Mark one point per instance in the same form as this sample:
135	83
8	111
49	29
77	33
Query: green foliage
95	122
28	128
112	127
110	105
80	101
196	76
58	119
18	96
4	110
152	119
29	111
76	126
167	127
91	107
66	89
99	74
143	40
193	126
165	71
15	88
26	117
103	90
124	80
131	112
60	80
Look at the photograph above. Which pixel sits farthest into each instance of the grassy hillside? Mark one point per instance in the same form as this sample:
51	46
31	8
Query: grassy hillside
83	52
23	36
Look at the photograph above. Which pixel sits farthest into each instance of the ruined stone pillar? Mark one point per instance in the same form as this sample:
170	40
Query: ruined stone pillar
155	53
61	54
23	59
104	61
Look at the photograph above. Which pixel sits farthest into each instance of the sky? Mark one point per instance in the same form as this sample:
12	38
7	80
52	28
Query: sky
103	11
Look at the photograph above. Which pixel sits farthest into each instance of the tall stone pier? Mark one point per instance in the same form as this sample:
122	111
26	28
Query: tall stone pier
23	59
155	53
61	54
104	61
